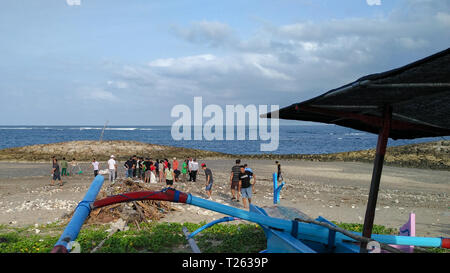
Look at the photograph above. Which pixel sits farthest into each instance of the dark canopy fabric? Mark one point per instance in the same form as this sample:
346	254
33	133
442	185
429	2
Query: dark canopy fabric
418	93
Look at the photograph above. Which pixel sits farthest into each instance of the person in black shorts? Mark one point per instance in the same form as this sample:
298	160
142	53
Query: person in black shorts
209	180
245	187
169	175
56	173
279	176
234	180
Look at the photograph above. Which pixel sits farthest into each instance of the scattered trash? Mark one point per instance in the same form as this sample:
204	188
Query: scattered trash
130	212
106	171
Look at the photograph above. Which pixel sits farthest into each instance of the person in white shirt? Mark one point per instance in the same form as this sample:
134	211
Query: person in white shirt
96	166
194	169
112	166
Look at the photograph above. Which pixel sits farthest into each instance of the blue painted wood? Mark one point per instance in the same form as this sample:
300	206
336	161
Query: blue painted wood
346	248
281	242
275	186
307	231
331	234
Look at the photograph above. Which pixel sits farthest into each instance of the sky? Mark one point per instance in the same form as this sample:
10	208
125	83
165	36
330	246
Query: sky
85	62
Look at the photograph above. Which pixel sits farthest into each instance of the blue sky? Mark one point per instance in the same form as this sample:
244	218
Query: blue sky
130	62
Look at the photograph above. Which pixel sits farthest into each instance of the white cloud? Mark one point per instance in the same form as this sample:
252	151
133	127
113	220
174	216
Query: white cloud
443	18
207	74
103	95
117	84
373	2
297	60
73	2
212	33
95	94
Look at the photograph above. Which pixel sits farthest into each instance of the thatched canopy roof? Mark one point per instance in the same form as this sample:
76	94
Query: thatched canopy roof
419	94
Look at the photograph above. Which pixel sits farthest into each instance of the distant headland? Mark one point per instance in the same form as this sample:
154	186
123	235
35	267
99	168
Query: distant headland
430	155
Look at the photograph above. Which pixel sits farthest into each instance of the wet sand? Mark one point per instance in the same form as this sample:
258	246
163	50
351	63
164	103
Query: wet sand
335	190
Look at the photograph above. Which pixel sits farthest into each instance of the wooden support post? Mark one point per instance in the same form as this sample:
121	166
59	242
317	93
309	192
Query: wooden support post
191	241
376	175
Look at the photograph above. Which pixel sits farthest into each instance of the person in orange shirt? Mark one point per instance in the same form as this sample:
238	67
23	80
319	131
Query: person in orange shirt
175	168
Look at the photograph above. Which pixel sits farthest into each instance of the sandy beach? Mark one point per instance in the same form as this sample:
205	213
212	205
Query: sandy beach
335	190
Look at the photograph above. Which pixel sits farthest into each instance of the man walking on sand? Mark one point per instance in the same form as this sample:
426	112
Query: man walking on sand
279	176
112	166
55	172
209	180
245	187
96	166
234	180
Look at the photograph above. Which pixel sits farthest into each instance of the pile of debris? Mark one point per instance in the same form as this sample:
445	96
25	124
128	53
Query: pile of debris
130	212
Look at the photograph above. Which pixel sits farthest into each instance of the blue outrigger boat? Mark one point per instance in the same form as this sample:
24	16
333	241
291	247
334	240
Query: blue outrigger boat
408	102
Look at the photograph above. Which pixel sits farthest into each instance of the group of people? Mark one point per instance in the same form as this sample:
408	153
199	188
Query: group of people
57	172
154	171
242	178
242	183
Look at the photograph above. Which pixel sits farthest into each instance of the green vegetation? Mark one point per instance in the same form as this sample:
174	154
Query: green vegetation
376	228
154	237
148	237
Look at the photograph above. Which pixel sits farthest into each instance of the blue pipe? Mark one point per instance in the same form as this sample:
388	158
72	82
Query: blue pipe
276	194
307	231
276	189
210	224
81	213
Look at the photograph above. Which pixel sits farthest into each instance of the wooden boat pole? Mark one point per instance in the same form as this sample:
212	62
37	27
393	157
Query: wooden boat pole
376	175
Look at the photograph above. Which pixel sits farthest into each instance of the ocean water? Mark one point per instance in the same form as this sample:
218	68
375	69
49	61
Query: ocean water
293	139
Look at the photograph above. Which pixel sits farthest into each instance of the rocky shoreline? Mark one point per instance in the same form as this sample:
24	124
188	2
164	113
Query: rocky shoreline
101	150
430	155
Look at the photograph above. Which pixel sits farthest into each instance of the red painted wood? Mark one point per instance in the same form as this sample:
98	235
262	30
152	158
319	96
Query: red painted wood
445	243
168	195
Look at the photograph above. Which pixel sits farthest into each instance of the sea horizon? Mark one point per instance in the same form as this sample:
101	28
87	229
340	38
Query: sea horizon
293	139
